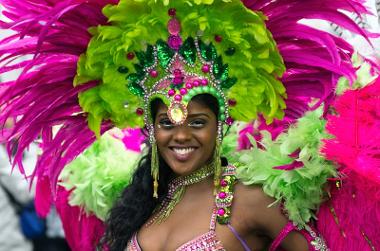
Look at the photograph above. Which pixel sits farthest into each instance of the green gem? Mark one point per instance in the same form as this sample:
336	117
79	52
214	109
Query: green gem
230	51
208	52
146	58
136	89
198	90
222	109
204	89
192	92
186	98
222	117
164	53
220	71
213	91
140	73
123	69
221	101
188	51
228	83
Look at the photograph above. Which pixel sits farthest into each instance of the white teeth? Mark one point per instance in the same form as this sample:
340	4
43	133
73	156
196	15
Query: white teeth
183	151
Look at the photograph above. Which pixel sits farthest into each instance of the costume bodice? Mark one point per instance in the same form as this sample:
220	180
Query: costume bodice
205	242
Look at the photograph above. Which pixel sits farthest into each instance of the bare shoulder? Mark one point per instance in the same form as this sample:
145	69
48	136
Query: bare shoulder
259	208
252	196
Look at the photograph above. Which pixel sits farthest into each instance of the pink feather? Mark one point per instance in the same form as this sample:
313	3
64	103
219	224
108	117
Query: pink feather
356	150
314	59
82	231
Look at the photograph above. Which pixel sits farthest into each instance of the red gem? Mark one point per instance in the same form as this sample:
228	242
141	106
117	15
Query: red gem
231	102
218	38
153	73
130	55
189	85
172	12
222	195
229	121
196	83
221	212
204	82
171	92
178	97
177	80
223	183
175	42
174	27
205	68
183	91
139	111
177	73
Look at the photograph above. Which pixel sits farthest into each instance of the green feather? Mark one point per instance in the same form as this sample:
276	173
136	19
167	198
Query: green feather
99	175
300	189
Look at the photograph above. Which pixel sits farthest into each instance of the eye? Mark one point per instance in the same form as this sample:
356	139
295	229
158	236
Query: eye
197	123
165	123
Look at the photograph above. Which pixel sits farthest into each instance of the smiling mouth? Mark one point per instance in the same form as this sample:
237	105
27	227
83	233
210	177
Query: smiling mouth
183	153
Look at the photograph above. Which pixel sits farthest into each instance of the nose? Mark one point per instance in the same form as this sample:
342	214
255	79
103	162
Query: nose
182	133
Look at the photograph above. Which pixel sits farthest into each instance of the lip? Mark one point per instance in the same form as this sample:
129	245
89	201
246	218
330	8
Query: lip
183	157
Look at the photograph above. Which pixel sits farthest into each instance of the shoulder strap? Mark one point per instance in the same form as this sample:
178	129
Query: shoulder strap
314	241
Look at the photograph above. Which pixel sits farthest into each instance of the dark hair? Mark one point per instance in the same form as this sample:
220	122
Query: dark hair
136	203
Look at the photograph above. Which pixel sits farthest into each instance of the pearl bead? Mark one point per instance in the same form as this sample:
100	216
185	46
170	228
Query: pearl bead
171	92
232	102
221	212
223	183
183	91
229	121
139	111
204	82
206	68
130	56
222	195
177	97
218	38
153	73
172	12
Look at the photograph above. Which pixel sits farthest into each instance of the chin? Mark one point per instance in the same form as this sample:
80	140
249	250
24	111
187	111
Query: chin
182	169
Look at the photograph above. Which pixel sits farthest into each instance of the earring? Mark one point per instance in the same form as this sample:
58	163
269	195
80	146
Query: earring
217	166
155	169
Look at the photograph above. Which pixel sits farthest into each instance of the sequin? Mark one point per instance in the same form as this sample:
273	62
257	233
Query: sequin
136	89
220	71
228	83
208	52
146	59
164	53
188	51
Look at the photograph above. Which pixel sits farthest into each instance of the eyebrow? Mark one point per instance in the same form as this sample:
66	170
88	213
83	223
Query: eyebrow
198	114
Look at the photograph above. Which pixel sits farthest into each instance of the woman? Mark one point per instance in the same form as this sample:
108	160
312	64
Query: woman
257	59
187	150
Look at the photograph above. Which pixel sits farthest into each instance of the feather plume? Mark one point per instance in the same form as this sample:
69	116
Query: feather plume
350	220
314	59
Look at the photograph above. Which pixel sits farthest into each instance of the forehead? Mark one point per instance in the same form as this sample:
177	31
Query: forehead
193	107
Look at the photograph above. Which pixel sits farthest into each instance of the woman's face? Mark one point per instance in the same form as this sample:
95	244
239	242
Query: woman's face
187	147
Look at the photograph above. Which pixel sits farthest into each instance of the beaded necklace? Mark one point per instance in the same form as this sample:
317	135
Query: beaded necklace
176	191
